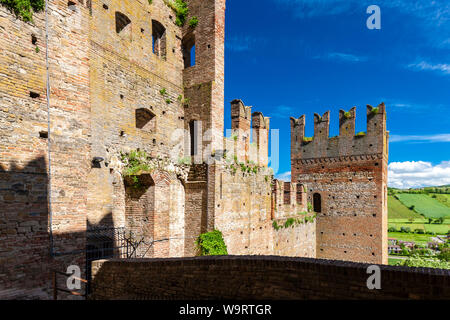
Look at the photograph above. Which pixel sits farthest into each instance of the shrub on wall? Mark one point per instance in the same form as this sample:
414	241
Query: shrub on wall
211	244
181	10
23	8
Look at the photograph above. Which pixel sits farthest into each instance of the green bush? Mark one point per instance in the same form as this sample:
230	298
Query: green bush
445	255
181	10
211	244
24	8
416	261
193	22
405	229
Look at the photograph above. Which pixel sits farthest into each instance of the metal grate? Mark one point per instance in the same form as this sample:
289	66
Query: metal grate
107	243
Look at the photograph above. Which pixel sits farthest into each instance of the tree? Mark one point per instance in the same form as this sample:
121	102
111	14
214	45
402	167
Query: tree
445	254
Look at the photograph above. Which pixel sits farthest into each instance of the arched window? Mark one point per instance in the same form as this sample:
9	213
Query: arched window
122	21
317	202
188	45
159	39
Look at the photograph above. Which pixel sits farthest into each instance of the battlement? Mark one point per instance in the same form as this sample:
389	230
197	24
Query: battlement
240	111
348	143
245	125
259	121
288	198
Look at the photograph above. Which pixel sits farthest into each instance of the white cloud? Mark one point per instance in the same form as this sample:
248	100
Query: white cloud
445	137
425	66
346	57
286	176
416	174
427	10
312	8
244	43
432	16
282	112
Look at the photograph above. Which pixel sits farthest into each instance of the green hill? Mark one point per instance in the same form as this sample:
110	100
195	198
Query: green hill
424	204
397	210
442	198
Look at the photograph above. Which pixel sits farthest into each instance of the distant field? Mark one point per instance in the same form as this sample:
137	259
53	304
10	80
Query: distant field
420	224
395	262
442	198
425	205
397	210
417	238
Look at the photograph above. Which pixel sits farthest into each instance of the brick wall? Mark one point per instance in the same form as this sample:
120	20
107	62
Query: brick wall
348	176
25	244
250	277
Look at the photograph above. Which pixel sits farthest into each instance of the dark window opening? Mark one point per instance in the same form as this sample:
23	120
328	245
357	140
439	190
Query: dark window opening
33	39
193	131
317	202
34	95
72	5
159	39
188	45
122	21
43	134
145	119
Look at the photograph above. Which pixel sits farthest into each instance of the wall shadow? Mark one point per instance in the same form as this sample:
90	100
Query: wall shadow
24	237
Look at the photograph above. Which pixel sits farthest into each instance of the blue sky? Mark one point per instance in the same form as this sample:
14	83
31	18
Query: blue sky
293	57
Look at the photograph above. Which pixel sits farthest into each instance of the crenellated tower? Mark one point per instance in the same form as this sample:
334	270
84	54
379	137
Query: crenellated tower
260	130
240	125
346	177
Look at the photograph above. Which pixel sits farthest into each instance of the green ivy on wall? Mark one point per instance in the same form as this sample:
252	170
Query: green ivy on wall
211	244
181	10
24	8
292	222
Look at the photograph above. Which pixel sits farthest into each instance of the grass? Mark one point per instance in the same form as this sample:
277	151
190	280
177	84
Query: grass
395	262
397	210
420	224
425	205
442	198
417	238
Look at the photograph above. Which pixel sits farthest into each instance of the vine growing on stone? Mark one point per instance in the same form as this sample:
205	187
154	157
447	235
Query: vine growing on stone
181	10
24	8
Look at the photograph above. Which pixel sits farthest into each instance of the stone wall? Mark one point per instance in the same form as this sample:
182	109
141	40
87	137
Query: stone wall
243	210
126	79
346	179
232	277
25	242
120	81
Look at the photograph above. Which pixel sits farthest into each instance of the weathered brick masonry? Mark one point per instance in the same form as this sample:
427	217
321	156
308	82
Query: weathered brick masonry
250	277
346	178
122	79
